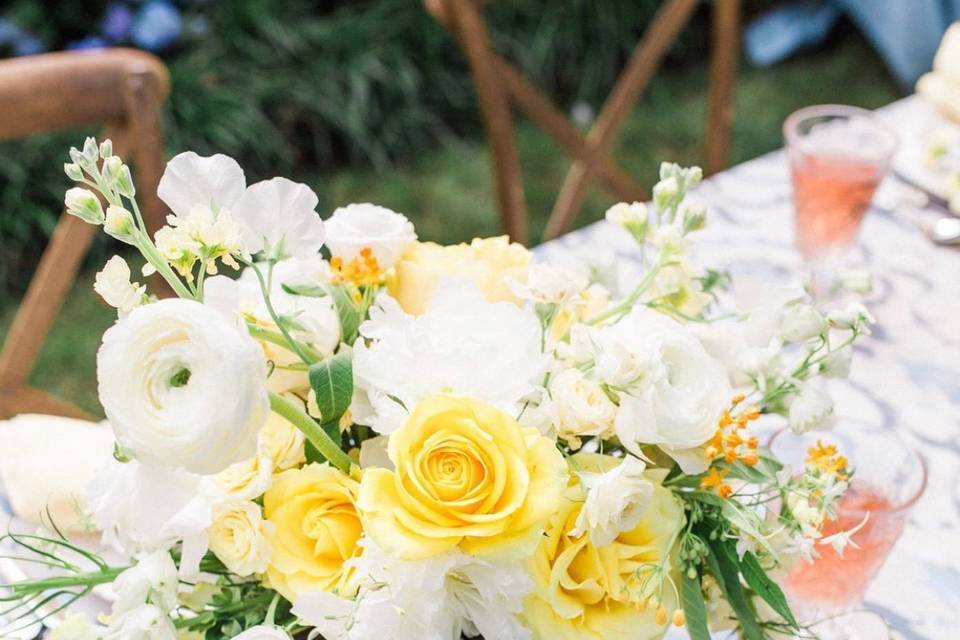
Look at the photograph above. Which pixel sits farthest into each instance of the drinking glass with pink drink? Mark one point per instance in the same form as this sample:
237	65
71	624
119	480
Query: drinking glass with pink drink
889	477
838	155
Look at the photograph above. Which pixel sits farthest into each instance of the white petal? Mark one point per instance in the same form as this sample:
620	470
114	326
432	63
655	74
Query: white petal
281	210
190	179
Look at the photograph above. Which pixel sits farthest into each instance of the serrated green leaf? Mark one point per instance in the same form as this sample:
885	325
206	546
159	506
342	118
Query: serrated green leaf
332	383
694	608
722	559
759	581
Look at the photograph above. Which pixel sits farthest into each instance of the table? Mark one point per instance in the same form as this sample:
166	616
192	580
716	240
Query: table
905	377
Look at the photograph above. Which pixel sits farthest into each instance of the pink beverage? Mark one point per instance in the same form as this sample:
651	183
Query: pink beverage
831	194
833	582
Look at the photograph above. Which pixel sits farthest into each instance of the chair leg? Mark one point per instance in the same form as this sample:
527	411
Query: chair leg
723	71
646	57
495	108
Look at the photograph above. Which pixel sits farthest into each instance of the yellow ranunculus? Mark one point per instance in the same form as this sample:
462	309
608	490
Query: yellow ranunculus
467	475
313	510
582	592
487	262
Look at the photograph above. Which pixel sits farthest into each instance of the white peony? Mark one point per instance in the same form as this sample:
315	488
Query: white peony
616	500
280	218
801	322
549	285
462	344
263	632
142	508
239	537
357	226
672	392
114	286
810	409
152	580
579	406
146	622
182	386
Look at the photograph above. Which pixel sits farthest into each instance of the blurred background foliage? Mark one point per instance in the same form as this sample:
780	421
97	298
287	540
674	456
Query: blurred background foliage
371	100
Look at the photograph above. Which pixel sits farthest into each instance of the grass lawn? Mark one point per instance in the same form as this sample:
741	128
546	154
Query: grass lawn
448	192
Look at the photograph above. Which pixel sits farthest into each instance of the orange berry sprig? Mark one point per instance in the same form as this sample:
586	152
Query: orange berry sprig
732	440
364	270
827	459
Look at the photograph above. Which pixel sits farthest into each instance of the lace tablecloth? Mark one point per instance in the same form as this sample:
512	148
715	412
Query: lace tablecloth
905	377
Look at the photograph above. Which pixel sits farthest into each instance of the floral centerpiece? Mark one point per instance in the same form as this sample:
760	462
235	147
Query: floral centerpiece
367	436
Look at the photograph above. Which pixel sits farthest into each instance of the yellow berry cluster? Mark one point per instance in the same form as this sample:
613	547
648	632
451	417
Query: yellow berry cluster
827	459
364	270
731	442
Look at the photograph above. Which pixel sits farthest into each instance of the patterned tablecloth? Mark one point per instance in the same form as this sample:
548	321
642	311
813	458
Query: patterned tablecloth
905	377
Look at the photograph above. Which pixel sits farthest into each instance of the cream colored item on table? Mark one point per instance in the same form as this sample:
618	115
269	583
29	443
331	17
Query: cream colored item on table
942	85
46	464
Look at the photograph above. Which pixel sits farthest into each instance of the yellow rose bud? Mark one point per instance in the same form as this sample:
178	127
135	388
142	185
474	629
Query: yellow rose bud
313	510
282	443
582	591
468	476
490	263
239	537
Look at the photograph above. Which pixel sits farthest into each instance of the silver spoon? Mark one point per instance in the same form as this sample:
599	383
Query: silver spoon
945	231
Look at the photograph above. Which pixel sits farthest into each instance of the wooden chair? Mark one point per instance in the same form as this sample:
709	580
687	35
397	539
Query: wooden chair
121	90
499	83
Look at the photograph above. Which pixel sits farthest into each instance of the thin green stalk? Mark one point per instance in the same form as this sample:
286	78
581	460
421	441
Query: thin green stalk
315	434
104	576
294	345
153	256
631	299
273	337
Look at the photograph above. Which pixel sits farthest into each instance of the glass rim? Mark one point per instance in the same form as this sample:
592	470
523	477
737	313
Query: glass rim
906	504
794	139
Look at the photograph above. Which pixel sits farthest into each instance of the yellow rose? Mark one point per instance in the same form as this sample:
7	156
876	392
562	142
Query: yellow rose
468	476
281	443
584	592
313	510
239	537
488	262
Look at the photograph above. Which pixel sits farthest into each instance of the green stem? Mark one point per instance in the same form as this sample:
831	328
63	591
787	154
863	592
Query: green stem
631	299
292	344
315	434
276	338
143	243
104	576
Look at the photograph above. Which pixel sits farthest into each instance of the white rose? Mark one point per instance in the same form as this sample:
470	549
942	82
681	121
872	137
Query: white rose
580	406
810	409
357	226
801	322
263	632
678	399
239	536
114	286
164	374
282	443
152	580
146	622
616	500
548	284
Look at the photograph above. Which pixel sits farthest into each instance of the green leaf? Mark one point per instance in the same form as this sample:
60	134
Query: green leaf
766	588
745	520
332	382
693	607
722	560
349	313
309	290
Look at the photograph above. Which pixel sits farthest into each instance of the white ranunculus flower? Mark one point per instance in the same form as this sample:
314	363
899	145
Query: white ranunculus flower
263	632
146	622
462	344
579	405
143	508
163	373
801	322
152	580
616	500
114	286
679	391
280	218
239	536
357	226
810	409
548	284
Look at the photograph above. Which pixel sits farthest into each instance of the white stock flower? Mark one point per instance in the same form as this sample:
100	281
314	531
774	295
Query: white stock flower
810	409
114	286
462	344
440	598
853	316
678	391
801	322
163	373
263	632
548	284
616	500
280	218
363	225
152	580
84	204
119	223
837	363
579	406
239	537
146	622
627	215
143	508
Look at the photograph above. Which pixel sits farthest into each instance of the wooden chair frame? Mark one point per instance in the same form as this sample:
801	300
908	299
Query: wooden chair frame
499	83
120	89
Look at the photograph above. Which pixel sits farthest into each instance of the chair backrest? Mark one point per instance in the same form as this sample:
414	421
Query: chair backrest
121	90
499	84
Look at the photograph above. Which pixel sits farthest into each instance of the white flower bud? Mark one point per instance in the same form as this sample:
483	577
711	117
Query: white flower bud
810	409
837	363
114	286
125	182
633	217
106	148
665	193
856	281
73	171
77	158
91	152
112	167
84	204
119	224
801	322
855	316
694	218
